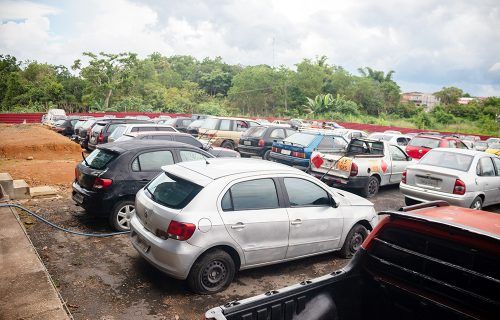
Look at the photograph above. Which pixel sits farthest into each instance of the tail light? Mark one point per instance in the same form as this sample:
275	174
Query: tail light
299	154
354	170
100	183
459	187
275	149
76	174
403	178
261	143
101	137
180	230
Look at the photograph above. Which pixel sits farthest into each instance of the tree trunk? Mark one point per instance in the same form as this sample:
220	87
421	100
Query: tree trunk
106	101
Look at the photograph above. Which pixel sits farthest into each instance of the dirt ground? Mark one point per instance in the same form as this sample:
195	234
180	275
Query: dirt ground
53	156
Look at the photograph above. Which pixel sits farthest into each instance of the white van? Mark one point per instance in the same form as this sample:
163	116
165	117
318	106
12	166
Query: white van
53	115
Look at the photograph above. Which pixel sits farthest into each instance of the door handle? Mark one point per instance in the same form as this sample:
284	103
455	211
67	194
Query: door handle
239	225
296	222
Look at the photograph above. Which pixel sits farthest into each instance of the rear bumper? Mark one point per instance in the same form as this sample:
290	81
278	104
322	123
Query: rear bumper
298	163
251	151
95	202
173	257
351	182
423	195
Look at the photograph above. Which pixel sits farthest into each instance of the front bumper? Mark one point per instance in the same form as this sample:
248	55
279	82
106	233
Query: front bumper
298	163
351	182
92	201
423	195
173	257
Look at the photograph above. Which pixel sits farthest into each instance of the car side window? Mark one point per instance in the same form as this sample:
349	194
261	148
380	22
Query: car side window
253	124
152	161
497	165
485	167
186	122
357	135
326	143
161	137
397	154
241	125
452	143
225	125
305	193
187	155
277	134
168	129
251	195
461	145
401	141
188	140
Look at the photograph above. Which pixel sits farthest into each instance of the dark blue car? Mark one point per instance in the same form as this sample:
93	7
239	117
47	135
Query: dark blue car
296	149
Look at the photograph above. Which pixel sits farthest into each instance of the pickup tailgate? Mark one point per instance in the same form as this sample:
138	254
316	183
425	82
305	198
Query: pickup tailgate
335	165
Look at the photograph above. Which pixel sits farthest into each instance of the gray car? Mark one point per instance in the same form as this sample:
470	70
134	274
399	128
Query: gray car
466	178
205	220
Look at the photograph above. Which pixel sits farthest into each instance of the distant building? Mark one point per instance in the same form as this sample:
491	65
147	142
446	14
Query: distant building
465	100
426	100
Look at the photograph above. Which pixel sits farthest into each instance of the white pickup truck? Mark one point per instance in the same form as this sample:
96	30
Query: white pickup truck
366	164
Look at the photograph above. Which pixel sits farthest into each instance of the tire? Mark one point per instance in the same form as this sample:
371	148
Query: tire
410	201
228	145
353	241
266	155
213	272
121	214
477	203
371	188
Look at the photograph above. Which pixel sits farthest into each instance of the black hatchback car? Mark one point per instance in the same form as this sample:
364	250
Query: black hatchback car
258	141
108	179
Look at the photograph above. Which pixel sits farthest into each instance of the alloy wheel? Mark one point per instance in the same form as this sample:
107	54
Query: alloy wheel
124	215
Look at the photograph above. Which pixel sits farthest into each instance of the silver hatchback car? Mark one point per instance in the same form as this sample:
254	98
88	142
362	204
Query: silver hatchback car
204	220
466	178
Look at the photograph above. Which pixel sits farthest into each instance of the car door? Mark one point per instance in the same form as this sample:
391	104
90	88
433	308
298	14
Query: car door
146	165
487	180
256	220
315	225
399	162
496	161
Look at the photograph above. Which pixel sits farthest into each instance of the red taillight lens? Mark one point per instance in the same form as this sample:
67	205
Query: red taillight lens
261	143
459	187
100	183
180	230
354	170
101	137
275	149
76	174
298	154
403	178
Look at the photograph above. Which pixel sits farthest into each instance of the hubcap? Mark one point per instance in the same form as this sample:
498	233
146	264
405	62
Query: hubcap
477	205
124	214
372	187
356	242
214	274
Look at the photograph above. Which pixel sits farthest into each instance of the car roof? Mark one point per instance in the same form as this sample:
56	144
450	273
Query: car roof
123	146
233	118
158	133
471	152
222	167
124	120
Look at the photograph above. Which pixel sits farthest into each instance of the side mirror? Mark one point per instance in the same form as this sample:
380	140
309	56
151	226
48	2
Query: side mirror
333	203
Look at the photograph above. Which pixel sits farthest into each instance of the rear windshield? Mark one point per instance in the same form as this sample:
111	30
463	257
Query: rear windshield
172	191
255	132
424	142
99	159
118	131
450	160
98	127
383	137
299	138
88	123
210	123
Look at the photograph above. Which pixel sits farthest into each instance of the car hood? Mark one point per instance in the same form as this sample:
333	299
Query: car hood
352	199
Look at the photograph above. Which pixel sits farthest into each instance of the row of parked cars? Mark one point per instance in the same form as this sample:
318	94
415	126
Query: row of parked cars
202	219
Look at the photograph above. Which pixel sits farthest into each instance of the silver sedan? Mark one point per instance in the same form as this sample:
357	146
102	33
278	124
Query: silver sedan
462	177
205	220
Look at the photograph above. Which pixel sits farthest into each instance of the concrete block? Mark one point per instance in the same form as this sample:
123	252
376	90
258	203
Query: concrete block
42	191
3	194
7	183
21	190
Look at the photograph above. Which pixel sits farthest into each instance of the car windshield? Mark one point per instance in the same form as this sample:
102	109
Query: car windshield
450	160
300	138
255	132
172	191
424	142
481	144
99	159
210	123
383	137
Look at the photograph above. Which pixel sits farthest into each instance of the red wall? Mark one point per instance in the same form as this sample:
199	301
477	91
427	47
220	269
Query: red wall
37	118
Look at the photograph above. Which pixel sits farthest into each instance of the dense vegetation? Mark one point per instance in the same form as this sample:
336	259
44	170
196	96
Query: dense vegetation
314	89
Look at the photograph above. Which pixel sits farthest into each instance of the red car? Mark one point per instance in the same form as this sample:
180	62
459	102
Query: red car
421	144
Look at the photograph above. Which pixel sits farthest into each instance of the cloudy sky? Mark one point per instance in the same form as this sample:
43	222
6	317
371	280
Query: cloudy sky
430	44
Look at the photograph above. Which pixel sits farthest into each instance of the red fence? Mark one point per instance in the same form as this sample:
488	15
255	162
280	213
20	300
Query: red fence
37	118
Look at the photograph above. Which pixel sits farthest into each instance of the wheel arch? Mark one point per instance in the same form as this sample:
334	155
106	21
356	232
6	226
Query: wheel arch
235	255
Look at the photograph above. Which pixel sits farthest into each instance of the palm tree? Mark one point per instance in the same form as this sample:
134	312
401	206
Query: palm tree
376	75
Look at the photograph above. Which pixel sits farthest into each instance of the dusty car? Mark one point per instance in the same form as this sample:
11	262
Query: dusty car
258	141
430	261
480	145
224	132
465	178
493	148
107	180
205	220
366	165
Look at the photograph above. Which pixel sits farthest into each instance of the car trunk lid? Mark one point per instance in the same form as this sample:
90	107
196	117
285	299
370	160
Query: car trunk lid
336	165
432	178
94	165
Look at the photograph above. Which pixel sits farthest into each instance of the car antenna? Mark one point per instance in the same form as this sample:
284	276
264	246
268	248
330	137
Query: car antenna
85	160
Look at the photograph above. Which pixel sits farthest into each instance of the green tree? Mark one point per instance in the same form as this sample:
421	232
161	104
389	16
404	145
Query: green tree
449	95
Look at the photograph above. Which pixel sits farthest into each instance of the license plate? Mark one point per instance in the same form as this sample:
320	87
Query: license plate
142	244
428	182
247	143
287	152
344	164
78	198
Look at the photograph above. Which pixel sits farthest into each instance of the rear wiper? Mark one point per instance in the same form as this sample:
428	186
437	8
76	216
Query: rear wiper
85	160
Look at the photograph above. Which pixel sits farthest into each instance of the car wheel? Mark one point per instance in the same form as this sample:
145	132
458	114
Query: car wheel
266	155
477	204
410	201
227	145
121	215
353	241
213	272
371	187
